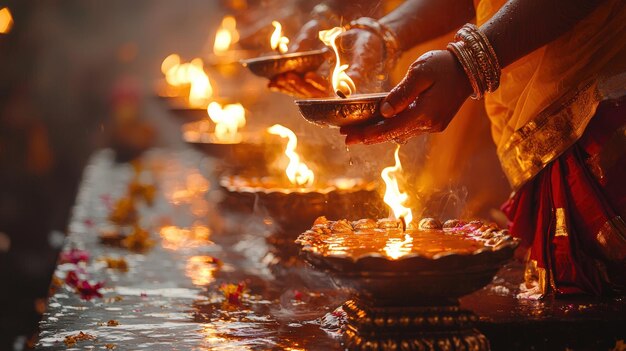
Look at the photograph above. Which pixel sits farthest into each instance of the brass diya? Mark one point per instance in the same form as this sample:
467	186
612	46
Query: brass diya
273	65
294	208
338	112
250	154
406	283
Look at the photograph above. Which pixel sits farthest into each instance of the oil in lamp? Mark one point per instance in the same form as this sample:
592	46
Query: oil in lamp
406	278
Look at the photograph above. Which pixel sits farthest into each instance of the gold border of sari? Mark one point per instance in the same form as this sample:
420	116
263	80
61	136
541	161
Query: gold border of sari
547	136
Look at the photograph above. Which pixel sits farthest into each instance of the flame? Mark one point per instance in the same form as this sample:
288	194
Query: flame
393	197
226	35
297	172
190	74
6	20
278	41
228	119
396	248
341	81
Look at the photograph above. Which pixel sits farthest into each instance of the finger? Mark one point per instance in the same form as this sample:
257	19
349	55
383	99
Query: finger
416	80
283	86
300	86
417	118
316	81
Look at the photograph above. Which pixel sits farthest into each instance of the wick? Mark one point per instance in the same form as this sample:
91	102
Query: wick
340	94
403	224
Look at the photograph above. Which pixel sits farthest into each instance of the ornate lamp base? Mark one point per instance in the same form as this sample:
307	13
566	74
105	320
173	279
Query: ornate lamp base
383	328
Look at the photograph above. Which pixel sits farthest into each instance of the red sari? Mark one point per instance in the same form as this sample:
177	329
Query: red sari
571	214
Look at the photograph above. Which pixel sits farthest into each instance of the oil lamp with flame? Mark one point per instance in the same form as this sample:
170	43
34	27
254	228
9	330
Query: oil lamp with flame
219	135
226	36
187	80
406	278
301	196
283	62
224	54
350	108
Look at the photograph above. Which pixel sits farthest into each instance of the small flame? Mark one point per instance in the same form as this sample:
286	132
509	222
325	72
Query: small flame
228	119
6	20
396	248
297	172
278	41
393	197
226	35
190	74
342	83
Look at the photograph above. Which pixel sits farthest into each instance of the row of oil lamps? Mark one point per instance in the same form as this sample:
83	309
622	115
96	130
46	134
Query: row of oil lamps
406	275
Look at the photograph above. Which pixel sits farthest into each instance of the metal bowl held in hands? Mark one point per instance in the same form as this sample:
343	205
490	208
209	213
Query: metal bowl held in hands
273	65
337	112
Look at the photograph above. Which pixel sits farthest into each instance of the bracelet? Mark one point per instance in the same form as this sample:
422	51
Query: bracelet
478	59
390	40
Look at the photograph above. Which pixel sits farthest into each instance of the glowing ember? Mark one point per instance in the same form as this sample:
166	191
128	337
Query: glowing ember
393	197
278	42
396	248
228	119
342	83
6	20
225	36
190	74
297	172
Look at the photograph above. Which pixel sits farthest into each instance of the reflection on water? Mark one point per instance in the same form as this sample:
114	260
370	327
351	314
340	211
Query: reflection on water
201	270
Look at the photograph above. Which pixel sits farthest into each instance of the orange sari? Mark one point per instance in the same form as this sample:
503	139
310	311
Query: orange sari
549	131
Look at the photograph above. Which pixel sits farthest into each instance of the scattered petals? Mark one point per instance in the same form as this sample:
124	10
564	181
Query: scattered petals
139	240
124	211
71	340
233	293
74	256
88	291
113	323
115	263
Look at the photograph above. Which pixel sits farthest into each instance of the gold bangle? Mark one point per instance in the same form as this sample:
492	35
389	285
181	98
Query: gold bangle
390	40
478	58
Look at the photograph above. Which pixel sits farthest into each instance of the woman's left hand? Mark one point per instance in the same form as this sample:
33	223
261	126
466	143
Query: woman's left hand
425	101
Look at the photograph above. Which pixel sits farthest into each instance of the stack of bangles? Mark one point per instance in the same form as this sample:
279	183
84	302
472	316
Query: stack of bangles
478	59
390	40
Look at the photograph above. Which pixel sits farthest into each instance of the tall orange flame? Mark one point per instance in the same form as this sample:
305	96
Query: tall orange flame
278	41
225	36
342	83
228	119
297	172
393	196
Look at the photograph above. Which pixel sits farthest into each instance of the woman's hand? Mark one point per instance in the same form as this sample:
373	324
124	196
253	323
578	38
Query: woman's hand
309	84
364	52
425	101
